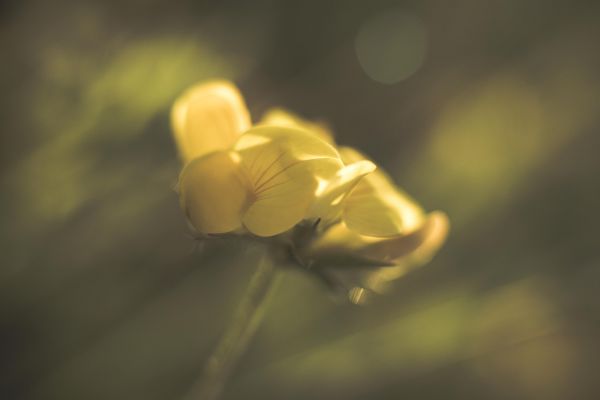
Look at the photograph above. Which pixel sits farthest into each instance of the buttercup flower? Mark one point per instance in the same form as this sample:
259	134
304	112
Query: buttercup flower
328	208
317	207
263	179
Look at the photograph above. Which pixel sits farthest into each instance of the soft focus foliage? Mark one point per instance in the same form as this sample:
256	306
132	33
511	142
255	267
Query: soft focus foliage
493	118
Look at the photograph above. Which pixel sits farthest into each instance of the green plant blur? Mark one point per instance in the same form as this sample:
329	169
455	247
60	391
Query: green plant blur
487	110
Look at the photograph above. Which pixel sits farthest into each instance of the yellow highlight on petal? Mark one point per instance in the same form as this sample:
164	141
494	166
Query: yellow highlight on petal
214	193
402	252
283	166
331	194
420	245
208	117
298	143
284	198
376	207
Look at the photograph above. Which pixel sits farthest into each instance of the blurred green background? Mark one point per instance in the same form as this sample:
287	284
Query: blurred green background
487	110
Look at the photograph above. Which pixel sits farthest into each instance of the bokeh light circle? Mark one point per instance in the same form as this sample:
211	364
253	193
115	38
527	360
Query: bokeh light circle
391	46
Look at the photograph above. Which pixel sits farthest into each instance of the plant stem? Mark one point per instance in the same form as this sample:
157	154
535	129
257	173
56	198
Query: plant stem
237	334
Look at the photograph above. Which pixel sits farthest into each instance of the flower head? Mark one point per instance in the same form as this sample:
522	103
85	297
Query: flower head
285	178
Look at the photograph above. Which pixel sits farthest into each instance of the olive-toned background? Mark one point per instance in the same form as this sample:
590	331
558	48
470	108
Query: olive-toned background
487	110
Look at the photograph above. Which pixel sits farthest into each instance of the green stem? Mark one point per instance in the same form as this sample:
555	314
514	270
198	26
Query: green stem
237	334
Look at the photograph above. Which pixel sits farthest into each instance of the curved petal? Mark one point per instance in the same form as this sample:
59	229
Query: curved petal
208	117
298	144
284	196
213	193
282	117
376	207
284	167
420	244
407	252
331	195
350	261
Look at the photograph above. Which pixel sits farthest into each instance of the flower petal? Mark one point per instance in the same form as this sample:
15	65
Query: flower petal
284	196
407	252
420	244
298	144
284	167
376	207
213	193
282	117
208	117
348	261
331	195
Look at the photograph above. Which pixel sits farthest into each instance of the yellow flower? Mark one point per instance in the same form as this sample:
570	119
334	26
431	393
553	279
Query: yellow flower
360	230
331	194
266	183
264	179
372	205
